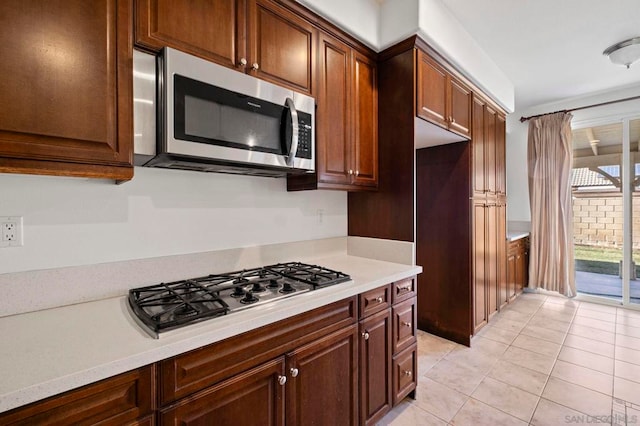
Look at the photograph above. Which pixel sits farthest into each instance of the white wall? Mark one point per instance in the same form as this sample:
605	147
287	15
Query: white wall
444	33
381	24
517	177
357	17
72	221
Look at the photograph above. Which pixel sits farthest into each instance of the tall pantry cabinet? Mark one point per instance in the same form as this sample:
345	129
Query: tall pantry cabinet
450	197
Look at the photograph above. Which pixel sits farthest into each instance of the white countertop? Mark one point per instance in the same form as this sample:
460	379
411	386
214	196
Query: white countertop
51	351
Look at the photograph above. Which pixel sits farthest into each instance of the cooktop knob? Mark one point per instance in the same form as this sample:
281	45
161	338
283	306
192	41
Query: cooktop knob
257	287
287	288
238	292
274	283
248	298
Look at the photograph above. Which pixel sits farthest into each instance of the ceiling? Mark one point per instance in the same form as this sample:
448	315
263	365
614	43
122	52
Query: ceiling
607	135
552	49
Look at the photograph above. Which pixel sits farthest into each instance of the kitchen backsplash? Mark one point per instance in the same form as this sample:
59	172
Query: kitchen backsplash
72	221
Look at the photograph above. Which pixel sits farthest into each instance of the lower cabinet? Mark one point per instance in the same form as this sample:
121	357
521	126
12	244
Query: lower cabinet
388	348
346	363
405	368
375	366
243	399
322	385
517	266
128	398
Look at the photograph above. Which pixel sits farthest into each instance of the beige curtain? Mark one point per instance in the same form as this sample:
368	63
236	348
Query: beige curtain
550	157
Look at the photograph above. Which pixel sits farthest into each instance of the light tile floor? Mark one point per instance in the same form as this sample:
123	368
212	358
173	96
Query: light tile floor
543	360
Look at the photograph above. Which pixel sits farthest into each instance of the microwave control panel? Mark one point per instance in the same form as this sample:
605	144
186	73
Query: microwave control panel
304	136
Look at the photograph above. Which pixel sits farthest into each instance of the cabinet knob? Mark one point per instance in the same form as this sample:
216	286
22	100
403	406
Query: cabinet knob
255	66
243	62
357	172
407	372
350	171
379	299
365	335
282	380
406	324
453	120
294	372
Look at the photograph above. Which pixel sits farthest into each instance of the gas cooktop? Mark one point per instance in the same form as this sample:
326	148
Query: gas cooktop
167	306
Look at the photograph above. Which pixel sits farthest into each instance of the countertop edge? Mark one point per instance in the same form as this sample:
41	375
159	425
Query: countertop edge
195	336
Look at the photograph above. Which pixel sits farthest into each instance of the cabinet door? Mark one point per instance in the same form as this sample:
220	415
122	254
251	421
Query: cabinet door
459	108
480	308
478	168
432	91
117	400
501	172
250	398
324	389
333	116
209	29
511	274
66	88
490	152
365	139
521	269
281	46
501	252
491	250
375	367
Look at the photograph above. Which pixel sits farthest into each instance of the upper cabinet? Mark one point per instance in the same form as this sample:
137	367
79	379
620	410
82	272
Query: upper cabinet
259	37
66	88
442	98
488	143
346	120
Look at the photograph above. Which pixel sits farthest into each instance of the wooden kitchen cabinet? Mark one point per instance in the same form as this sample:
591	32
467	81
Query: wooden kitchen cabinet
517	266
375	366
259	37
128	398
322	386
346	120
66	88
388	335
442	98
241	400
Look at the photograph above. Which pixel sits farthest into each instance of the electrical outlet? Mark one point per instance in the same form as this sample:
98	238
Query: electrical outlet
10	231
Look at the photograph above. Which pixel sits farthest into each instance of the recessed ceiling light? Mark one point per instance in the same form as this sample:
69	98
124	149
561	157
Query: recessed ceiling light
624	53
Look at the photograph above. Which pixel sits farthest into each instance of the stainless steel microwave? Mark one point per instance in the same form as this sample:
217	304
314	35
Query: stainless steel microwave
211	118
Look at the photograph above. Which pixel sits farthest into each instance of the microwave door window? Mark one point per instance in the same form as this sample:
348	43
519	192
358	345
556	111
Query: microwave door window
211	115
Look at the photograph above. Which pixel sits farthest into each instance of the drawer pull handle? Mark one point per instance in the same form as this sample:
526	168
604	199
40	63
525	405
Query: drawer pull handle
405	288
365	335
406	324
407	372
282	380
294	372
379	299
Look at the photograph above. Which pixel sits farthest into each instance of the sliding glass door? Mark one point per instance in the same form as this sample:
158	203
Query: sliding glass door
606	211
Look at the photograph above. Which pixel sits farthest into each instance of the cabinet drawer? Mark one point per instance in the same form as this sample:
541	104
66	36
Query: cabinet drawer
404	289
405	368
196	370
374	300
254	394
117	400
405	317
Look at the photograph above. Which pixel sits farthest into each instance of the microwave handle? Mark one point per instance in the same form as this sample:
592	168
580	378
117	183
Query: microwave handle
293	149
